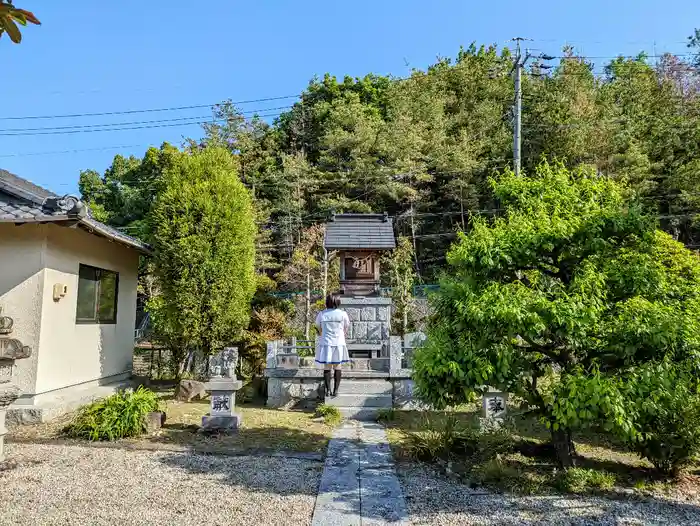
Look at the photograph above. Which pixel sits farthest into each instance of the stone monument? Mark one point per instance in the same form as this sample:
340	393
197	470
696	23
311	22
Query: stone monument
10	350
222	387
494	408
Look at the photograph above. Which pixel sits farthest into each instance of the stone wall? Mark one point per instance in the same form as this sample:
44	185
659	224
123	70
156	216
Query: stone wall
288	393
370	318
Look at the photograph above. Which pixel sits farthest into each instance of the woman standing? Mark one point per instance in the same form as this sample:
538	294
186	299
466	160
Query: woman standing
332	352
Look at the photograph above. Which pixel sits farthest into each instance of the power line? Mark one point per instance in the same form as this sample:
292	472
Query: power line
129	123
149	110
80	150
128	128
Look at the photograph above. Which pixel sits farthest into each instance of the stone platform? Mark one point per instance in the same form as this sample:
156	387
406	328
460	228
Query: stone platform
359	393
47	406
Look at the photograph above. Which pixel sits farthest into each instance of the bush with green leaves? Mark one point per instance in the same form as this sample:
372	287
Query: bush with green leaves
570	289
664	402
330	414
203	233
386	415
118	416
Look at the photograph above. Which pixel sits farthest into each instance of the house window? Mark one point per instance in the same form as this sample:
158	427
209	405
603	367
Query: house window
97	295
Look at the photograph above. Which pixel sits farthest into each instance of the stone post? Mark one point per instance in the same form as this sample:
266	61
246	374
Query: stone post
395	355
222	387
10	350
493	408
273	348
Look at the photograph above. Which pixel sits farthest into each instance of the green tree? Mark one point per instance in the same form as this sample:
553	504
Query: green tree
10	16
203	235
694	44
122	197
305	271
399	268
557	300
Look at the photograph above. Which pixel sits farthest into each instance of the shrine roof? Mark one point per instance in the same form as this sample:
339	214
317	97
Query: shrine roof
360	231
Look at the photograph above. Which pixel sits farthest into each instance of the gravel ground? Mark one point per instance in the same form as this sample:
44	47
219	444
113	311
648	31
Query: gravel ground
434	500
51	485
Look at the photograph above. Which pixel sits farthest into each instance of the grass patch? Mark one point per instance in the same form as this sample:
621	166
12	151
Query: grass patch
330	414
584	480
262	430
518	459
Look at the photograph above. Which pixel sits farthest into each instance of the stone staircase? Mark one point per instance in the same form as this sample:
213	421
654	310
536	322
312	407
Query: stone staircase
362	399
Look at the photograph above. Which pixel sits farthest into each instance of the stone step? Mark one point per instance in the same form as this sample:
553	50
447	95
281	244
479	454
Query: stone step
358	400
360	413
348	386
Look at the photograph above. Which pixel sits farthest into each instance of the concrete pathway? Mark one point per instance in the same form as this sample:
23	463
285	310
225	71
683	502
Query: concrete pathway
359	486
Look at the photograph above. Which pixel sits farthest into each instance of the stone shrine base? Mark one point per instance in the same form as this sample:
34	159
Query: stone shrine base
221	424
289	388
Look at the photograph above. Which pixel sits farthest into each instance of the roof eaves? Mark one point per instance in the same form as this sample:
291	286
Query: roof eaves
115	235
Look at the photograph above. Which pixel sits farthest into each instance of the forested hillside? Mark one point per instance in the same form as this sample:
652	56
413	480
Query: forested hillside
422	148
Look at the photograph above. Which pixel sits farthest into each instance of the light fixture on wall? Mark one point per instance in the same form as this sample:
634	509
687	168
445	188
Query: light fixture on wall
59	291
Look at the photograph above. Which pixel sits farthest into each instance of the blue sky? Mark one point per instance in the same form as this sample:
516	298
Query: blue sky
97	56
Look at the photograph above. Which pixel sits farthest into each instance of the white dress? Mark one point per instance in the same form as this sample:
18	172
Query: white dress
332	325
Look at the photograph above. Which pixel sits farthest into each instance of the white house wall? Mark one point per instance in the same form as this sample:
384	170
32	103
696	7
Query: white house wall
21	291
73	353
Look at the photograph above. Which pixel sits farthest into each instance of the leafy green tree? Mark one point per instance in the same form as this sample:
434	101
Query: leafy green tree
122	197
664	400
305	271
557	300
10	16
203	233
399	267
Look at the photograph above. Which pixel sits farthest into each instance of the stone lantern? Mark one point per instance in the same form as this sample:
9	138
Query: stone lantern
10	350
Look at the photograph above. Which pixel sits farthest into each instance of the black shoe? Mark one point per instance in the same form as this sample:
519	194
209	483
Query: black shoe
336	381
327	382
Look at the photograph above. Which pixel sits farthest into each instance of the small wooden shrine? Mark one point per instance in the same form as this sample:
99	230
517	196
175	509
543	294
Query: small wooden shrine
359	240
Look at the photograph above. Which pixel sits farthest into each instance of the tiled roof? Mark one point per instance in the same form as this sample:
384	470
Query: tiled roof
360	231
14	208
24	202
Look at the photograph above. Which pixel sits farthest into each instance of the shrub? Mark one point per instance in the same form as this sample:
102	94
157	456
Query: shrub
202	229
118	416
665	404
581	480
498	474
437	439
330	413
386	415
447	437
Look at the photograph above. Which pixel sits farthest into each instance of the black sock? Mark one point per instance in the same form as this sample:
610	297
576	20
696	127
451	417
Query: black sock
336	380
327	380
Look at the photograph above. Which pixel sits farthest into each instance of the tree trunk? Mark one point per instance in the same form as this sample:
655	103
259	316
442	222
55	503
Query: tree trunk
325	273
564	448
404	320
307	314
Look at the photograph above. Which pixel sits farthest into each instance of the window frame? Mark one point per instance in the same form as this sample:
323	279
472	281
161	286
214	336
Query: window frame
98	292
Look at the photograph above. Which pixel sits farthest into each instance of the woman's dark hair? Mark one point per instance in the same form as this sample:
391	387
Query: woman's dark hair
332	301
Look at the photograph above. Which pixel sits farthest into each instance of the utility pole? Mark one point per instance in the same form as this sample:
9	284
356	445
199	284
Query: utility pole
518	65
517	118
